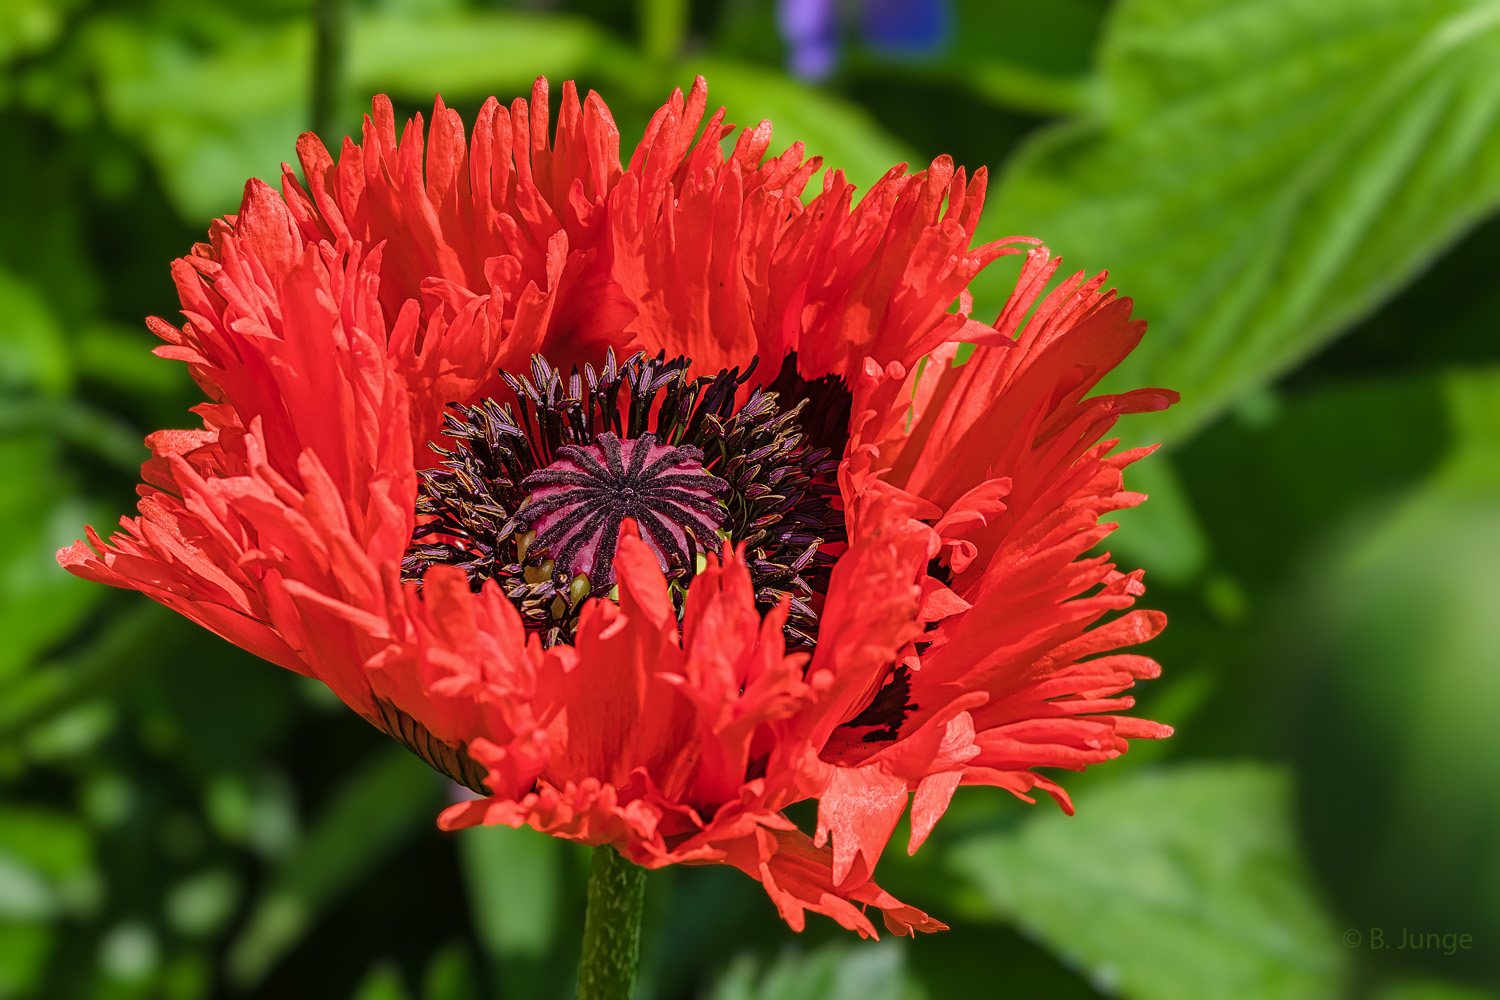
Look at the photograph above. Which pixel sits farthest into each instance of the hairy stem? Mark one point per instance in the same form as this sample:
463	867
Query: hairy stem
612	929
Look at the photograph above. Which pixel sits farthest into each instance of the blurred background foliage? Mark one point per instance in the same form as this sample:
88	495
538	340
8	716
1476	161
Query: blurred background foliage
1297	192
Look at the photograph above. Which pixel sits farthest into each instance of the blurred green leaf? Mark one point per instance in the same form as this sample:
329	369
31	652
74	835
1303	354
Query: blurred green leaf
382	982
1030	57
118	355
872	971
23	957
130	952
1022	89
1056	38
202	904
1165	885
513	878
1394	632
76	423
476	53
208	120
1472	468
211	119
39	603
107	799
51	843
187	976
1431	989
1163	534
24	895
53	686
73	732
450	975
218	711
46	865
1269	489
28	26
33	354
375	811
663	24
1261	173
259	812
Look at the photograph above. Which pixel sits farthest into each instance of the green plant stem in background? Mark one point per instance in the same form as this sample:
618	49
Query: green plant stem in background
612	929
663	23
328	64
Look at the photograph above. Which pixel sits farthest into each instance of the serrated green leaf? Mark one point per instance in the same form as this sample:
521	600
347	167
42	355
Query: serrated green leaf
1185	885
1261	173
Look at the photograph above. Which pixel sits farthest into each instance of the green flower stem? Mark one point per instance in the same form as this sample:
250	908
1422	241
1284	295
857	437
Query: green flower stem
663	24
327	68
612	929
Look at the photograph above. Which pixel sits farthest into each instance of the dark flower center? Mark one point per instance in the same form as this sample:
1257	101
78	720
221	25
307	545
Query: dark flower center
533	493
578	503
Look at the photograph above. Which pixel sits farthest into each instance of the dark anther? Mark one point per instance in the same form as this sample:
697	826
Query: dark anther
829	404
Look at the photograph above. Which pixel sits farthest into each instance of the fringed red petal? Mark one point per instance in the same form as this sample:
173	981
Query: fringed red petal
963	635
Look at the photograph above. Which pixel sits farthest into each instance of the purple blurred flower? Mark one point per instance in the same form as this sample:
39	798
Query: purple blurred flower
905	27
810	29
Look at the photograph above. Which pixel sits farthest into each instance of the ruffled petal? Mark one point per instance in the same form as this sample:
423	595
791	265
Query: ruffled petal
331	325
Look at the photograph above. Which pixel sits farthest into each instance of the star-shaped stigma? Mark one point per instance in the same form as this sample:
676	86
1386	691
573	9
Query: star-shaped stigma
577	504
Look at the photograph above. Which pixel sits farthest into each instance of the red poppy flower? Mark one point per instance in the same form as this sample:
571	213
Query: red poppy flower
648	502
